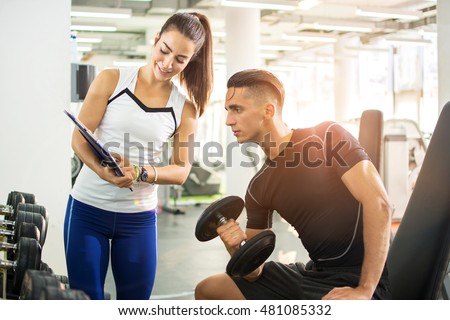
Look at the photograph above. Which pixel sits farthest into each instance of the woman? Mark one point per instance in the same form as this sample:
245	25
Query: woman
135	111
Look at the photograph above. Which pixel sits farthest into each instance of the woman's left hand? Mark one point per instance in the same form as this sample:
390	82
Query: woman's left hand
130	174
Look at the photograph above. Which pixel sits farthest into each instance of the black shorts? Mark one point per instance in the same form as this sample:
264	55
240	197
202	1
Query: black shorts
293	282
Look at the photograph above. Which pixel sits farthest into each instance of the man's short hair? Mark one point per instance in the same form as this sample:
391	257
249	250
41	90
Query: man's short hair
260	82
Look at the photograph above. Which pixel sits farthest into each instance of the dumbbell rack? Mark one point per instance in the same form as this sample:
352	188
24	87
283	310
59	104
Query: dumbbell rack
3	273
6	278
23	226
4	285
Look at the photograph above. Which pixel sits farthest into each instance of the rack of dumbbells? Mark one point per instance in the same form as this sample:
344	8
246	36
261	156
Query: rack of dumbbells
23	275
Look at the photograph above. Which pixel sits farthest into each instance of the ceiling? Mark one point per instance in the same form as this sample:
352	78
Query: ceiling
133	37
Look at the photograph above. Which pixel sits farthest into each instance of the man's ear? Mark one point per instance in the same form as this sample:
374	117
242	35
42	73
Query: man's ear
269	110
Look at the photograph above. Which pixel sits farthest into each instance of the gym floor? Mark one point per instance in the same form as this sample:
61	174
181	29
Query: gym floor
184	261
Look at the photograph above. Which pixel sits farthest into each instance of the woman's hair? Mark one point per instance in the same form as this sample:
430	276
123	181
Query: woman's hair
198	75
261	84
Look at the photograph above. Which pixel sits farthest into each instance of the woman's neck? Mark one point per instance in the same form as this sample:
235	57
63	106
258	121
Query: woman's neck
147	77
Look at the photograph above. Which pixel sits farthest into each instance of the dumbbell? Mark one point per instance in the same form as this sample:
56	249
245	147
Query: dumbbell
25	229
27	197
52	293
61	278
9	208
21	201
31	217
28	253
14	199
39	209
33	207
252	253
10	212
11	221
34	281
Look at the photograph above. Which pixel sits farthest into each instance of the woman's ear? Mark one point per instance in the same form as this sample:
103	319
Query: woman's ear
157	37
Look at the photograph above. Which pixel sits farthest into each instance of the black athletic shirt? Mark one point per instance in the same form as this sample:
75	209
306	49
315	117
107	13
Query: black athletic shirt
303	184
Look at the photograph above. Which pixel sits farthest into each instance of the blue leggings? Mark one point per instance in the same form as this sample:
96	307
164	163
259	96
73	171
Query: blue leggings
87	234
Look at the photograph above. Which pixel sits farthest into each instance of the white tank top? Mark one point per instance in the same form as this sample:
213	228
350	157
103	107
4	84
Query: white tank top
139	133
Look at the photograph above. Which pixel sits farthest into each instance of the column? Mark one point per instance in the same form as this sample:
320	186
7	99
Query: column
443	28
35	133
242	52
346	95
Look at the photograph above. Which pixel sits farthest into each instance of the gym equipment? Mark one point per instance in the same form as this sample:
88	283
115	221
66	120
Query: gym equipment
45	267
81	76
28	253
371	135
34	281
35	208
52	293
201	181
25	229
13	200
170	192
404	150
252	253
61	278
21	201
27	197
32	207
420	252
31	217
77	164
8	210
11	220
217	214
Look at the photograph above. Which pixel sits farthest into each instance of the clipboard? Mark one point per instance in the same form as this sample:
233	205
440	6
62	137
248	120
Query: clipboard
105	157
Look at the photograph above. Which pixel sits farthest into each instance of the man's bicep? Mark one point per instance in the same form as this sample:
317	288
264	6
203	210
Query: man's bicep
364	182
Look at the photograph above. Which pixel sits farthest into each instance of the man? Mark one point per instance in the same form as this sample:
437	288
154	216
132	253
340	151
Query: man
322	182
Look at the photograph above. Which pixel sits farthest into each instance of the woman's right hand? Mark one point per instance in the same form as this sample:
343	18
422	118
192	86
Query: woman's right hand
108	174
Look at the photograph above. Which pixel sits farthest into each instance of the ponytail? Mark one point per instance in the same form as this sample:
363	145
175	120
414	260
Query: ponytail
198	76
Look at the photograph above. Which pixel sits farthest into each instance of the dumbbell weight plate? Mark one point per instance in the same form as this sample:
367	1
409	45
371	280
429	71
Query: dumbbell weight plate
51	293
27	230
35	218
8	210
30	217
45	267
32	207
230	207
28	257
61	278
27	197
15	198
35	208
33	283
252	254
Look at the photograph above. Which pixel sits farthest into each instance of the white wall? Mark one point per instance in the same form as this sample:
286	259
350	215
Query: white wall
34	90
